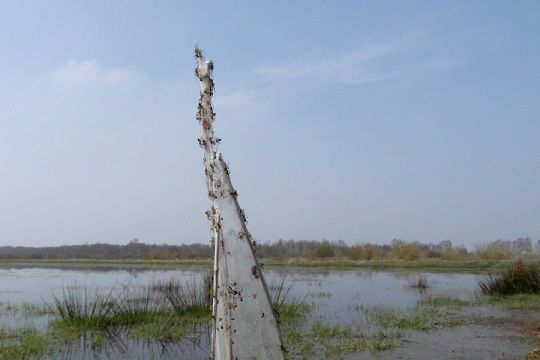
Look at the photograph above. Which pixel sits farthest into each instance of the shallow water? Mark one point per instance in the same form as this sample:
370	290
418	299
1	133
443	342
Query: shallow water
118	346
385	288
334	294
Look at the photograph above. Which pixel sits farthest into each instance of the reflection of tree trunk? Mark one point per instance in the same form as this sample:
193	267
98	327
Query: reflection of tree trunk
244	324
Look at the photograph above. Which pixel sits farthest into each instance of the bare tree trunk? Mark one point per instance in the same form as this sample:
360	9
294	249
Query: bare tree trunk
244	324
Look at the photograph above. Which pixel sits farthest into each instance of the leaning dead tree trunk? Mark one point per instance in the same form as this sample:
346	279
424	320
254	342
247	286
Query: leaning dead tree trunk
244	325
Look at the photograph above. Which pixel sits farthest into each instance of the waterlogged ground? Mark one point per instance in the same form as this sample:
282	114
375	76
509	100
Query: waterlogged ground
335	314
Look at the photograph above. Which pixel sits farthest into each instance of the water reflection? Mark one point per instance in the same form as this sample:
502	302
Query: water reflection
117	344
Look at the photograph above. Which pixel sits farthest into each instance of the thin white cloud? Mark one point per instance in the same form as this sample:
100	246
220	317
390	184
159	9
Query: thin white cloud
244	103
360	66
91	72
447	62
235	98
406	56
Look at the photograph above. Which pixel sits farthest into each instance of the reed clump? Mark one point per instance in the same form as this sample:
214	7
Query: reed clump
163	311
420	282
288	306
80	309
183	298
152	309
77	304
522	277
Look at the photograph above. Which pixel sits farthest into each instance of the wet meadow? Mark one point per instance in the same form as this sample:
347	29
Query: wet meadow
118	311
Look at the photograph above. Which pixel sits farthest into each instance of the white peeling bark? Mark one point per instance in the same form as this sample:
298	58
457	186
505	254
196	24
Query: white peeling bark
244	325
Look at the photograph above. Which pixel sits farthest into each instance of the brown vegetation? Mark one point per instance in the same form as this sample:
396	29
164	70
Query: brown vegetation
520	278
282	249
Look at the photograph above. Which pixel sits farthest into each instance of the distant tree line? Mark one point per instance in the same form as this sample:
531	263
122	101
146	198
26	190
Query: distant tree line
282	249
397	249
133	250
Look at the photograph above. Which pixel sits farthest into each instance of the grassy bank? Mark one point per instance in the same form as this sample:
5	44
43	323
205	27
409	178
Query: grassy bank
105	263
428	264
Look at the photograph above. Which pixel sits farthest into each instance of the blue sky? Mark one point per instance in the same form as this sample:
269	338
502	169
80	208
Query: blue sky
354	120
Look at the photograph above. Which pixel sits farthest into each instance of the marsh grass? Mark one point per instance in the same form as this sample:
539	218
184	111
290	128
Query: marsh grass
521	277
185	297
335	339
297	341
76	304
445	301
385	328
427	315
169	311
420	282
21	344
163	311
292	312
324	331
288	306
159	312
133	307
374	344
516	301
339	339
381	328
280	291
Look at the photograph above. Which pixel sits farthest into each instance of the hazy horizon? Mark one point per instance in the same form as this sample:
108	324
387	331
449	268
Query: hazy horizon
352	120
535	243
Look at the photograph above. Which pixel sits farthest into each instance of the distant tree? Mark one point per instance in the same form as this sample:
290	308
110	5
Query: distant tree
402	250
371	252
523	245
324	250
497	250
356	252
445	244
451	254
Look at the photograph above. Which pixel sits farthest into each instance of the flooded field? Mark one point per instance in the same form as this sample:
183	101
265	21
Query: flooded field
345	314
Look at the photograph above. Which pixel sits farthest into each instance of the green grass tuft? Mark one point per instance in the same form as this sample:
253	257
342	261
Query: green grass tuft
517	301
445	301
23	344
323	331
422	318
522	277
